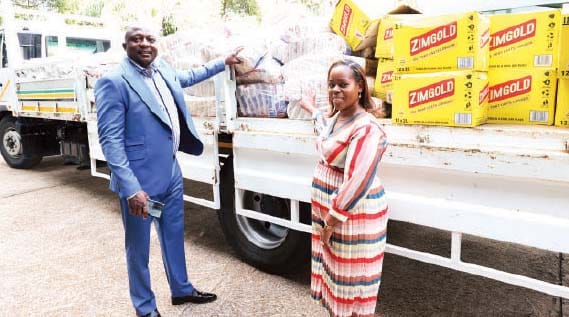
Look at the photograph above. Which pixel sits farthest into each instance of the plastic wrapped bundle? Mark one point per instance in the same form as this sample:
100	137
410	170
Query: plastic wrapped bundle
205	88
92	66
261	100
328	43
310	72
267	70
201	106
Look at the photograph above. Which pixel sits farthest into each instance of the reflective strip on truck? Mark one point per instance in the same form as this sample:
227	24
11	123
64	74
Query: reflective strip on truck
3	92
47	94
48	100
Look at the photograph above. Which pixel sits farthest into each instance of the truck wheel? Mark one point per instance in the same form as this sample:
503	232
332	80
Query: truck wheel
264	245
12	146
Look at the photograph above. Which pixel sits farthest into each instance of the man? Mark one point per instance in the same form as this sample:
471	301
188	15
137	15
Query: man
142	123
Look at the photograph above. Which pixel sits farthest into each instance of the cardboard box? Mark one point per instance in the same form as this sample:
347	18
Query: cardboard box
563	71
385	45
527	39
442	43
562	106
383	88
357	21
448	98
522	96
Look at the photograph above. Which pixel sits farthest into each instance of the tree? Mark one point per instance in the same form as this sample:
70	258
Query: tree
168	26
63	6
240	7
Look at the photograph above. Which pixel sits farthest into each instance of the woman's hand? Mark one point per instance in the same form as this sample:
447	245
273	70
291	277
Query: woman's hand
326	235
308	101
327	230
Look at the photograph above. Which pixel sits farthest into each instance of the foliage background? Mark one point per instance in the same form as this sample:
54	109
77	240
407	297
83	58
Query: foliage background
177	15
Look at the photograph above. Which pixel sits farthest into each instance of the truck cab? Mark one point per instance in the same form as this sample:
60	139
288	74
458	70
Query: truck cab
43	99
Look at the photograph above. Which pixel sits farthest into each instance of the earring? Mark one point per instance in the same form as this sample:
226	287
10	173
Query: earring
359	95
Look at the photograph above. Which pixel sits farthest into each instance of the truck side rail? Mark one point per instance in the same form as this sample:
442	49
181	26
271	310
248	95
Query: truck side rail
502	182
427	187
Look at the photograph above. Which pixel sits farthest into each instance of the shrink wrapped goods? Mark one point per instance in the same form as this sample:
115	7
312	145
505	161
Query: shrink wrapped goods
383	87
449	98
205	88
267	70
249	58
201	106
528	39
562	107
564	46
92	66
261	100
442	43
310	72
310	44
522	96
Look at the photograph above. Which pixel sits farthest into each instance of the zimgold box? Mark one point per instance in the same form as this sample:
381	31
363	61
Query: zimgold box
562	107
525	96
384	81
529	39
352	23
564	46
457	98
442	43
357	21
385	47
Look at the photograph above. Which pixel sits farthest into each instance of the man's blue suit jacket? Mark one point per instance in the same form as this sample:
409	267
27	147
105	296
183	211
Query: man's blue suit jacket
134	131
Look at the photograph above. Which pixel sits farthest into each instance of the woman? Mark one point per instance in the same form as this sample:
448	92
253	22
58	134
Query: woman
349	210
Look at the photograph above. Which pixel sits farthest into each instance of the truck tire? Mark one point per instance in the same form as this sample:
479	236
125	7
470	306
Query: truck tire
12	146
266	246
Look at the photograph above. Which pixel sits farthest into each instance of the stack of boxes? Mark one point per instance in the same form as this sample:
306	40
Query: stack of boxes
440	70
384	52
465	69
562	107
523	60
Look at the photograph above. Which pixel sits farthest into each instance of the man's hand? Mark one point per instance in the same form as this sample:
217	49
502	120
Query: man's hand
138	205
232	58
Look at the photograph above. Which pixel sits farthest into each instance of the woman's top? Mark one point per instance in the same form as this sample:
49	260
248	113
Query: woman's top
354	147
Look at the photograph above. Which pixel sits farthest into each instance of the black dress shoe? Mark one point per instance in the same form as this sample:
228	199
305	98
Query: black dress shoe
153	313
196	297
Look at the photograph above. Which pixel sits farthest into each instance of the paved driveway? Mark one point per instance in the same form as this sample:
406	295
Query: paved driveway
61	250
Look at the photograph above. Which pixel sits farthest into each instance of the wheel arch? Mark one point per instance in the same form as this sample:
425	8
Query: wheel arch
289	256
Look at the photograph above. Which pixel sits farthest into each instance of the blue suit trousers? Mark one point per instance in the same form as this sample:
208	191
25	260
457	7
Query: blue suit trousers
170	230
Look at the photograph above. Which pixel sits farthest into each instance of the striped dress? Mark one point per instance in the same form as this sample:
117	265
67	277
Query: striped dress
345	277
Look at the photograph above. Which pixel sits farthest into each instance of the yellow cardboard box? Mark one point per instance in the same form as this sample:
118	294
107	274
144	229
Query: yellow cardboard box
385	46
357	21
562	106
384	80
448	98
352	23
442	43
564	46
525	95
527	39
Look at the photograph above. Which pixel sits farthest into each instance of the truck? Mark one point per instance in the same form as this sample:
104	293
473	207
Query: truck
502	182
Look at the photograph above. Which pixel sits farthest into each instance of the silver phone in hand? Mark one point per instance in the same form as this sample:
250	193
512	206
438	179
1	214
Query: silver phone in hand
155	208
